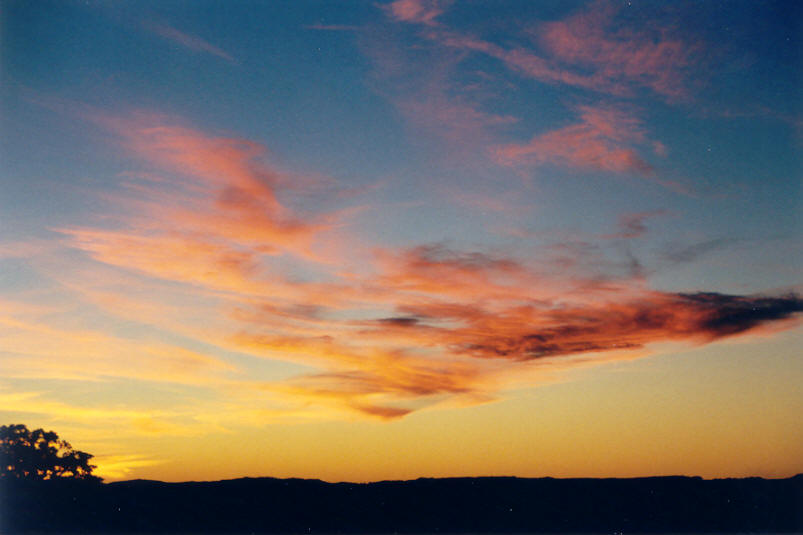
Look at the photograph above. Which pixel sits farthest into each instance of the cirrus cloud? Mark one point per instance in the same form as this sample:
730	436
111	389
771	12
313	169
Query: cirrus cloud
602	141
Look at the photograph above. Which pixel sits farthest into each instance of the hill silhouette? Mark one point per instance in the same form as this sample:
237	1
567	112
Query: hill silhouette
452	505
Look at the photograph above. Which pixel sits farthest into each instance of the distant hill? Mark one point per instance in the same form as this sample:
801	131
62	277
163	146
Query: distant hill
453	505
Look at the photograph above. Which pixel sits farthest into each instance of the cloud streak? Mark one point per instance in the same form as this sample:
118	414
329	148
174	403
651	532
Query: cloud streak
602	141
647	57
190	42
212	221
429	97
634	225
416	11
591	49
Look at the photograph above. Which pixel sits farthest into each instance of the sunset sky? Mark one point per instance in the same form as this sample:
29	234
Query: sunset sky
385	240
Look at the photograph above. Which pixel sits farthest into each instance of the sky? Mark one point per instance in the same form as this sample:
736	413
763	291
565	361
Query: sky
421	238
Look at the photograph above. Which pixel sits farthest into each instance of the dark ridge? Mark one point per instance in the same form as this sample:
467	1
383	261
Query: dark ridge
673	504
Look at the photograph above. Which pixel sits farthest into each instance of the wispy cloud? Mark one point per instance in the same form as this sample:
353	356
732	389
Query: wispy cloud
222	199
523	61
427	95
681	254
590	49
191	42
602	141
35	348
597	49
455	118
634	225
417	11
646	56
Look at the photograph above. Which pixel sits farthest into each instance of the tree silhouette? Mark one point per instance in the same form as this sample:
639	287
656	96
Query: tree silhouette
40	454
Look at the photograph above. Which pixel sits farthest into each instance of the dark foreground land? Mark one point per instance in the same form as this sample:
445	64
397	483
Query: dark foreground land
467	505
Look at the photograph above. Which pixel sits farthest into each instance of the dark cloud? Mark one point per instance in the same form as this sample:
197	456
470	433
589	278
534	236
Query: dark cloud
616	326
732	314
400	321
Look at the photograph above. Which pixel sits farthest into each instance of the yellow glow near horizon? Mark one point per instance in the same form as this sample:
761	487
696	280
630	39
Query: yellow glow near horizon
715	412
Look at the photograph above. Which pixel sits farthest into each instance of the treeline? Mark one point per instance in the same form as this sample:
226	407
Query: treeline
464	505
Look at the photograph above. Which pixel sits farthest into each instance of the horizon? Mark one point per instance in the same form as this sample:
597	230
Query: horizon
673	476
404	239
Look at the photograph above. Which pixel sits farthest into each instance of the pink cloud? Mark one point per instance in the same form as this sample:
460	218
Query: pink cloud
229	177
604	141
647	56
586	50
416	11
209	219
523	61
